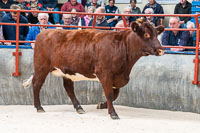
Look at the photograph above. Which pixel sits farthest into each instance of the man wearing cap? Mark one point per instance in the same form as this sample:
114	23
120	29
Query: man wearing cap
9	31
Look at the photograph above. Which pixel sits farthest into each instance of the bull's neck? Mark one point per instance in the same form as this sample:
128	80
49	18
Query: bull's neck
133	45
134	49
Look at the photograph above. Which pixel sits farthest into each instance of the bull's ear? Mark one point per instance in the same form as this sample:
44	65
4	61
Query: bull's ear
160	29
135	27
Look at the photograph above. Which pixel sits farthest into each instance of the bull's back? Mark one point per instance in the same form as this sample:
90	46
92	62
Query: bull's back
79	49
70	48
72	42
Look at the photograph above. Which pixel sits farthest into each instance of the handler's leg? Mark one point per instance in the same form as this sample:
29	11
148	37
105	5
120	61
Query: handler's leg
69	87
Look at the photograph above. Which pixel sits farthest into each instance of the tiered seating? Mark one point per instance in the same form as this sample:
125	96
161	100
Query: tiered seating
195	9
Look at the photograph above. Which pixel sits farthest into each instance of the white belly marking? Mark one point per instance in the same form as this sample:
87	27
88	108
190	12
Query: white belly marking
76	77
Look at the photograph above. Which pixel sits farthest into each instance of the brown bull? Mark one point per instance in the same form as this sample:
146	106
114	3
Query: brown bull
92	54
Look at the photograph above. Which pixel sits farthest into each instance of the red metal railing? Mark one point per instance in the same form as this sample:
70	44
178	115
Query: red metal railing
17	24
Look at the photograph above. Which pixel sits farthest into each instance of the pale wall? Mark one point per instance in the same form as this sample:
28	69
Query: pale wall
163	82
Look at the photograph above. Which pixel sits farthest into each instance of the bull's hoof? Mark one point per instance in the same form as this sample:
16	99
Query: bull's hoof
114	116
102	106
80	111
40	110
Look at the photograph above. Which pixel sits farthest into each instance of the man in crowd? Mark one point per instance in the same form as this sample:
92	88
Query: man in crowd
184	7
157	9
51	5
38	2
119	25
9	31
134	9
192	41
33	16
35	30
100	19
94	4
128	19
67	7
111	8
67	21
5	4
153	20
175	38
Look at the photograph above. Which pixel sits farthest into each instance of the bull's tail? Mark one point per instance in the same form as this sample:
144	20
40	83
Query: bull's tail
27	82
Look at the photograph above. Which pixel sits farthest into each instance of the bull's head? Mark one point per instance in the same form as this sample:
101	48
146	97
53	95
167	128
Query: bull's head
148	34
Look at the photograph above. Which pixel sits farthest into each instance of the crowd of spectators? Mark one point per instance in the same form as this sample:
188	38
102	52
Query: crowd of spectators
8	32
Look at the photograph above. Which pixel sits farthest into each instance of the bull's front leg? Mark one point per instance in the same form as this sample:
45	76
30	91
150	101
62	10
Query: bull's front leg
107	85
104	105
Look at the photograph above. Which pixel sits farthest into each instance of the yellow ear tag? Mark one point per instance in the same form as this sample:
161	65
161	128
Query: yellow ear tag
147	35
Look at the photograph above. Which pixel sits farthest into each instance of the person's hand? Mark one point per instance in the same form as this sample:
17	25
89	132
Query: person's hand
7	43
181	22
42	28
51	9
59	27
177	49
109	20
28	1
33	45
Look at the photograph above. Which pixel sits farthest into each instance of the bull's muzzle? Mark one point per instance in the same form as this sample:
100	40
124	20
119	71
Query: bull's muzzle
160	52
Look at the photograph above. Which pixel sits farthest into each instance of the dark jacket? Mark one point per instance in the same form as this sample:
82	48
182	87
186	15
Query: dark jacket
7	5
32	19
155	21
135	10
130	19
186	10
49	3
90	4
181	39
157	8
102	24
111	10
9	31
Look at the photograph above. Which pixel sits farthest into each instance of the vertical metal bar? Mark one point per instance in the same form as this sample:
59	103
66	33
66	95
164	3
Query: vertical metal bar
124	21
94	21
196	66
17	47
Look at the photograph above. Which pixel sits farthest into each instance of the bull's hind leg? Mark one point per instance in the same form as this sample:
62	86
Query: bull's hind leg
104	105
69	87
38	80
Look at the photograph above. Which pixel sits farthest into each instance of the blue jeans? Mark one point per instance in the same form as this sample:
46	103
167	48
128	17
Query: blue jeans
56	17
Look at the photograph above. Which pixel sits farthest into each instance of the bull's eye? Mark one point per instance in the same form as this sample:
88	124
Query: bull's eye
147	35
